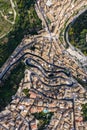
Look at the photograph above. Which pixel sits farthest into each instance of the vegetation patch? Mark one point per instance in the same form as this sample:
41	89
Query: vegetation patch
6	13
78	33
27	22
26	92
4	26
84	111
10	85
43	118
